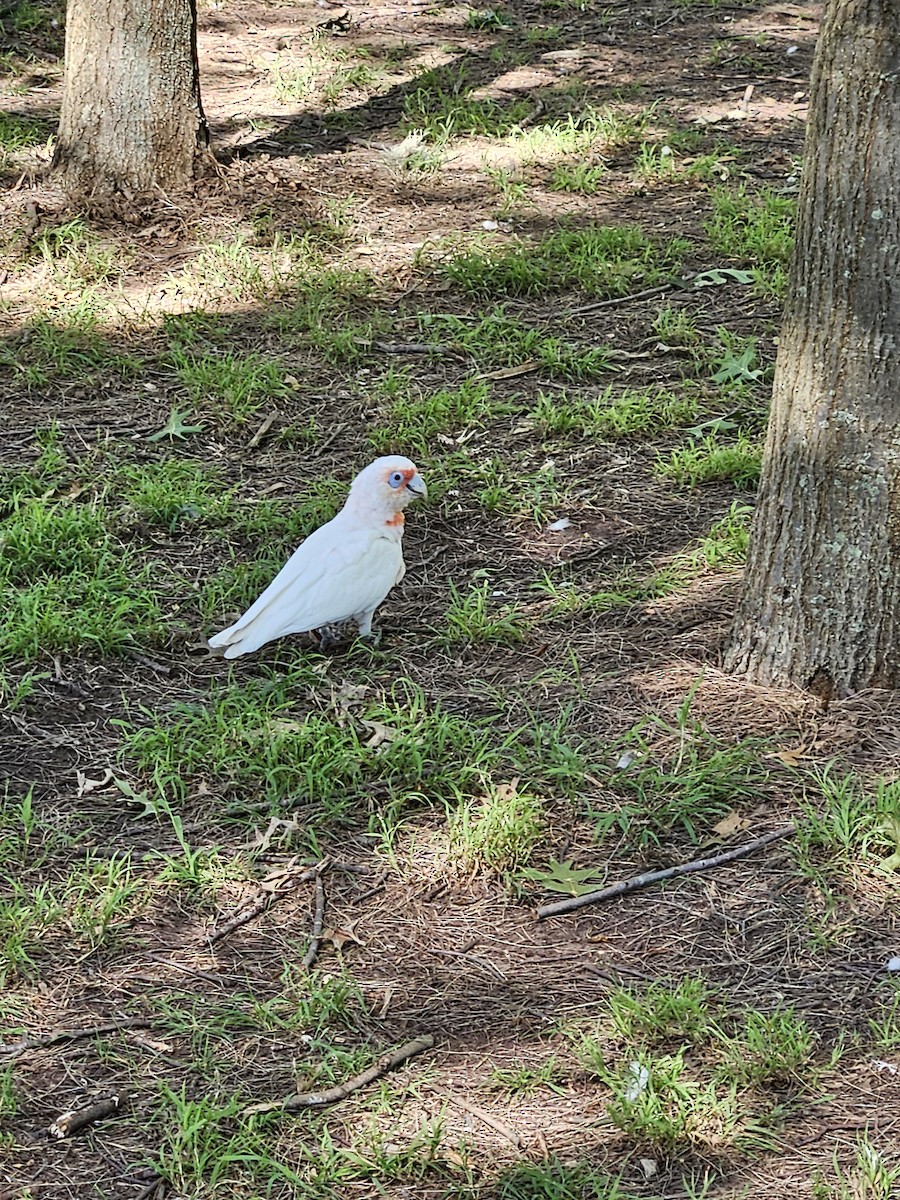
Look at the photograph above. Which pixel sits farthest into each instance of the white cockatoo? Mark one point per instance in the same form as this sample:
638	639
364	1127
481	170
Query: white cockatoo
342	571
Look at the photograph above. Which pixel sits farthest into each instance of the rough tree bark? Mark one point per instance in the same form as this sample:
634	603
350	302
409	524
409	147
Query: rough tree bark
131	118
820	605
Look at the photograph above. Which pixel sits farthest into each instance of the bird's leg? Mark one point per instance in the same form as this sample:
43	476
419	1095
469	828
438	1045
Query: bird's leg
365	629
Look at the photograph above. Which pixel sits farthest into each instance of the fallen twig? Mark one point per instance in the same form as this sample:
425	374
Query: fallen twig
268	421
614	301
318	920
70	1122
411	348
72	1035
639	881
341	1091
264	900
499	1126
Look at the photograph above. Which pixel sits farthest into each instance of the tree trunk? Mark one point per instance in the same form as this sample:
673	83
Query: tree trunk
131	118
820	605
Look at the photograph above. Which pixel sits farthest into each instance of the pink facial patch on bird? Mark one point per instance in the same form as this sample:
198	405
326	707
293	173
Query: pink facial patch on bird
396	519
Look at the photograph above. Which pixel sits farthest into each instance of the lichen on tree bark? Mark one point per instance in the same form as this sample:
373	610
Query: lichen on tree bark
820	604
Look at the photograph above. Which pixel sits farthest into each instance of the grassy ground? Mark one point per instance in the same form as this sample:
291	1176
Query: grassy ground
540	248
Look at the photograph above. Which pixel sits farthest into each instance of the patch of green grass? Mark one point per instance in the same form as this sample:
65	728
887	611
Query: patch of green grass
873	1175
710	461
443	108
884	1025
663	1110
676	326
70	345
552	1179
579	179
727	542
473	617
755	228
263	733
175	492
18	132
509	188
486	18
67	584
662	1013
622	414
849	826
97	897
598	261
231	385
415	422
580	134
26	915
767	1048
498	487
567	599
525	1081
496	339
498	831
694	782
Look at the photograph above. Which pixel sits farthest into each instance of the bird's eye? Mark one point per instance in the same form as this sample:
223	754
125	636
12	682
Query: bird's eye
395	479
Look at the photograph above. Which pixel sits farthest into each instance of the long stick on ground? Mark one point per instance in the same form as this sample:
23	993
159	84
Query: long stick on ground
71	1035
318	921
342	1090
640	881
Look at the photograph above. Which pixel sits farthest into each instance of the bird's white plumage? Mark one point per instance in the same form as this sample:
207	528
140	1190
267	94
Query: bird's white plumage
342	571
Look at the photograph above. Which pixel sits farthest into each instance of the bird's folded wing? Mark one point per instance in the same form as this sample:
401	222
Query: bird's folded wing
333	575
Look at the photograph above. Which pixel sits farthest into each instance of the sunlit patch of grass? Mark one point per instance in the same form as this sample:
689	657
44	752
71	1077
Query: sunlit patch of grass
581	134
70	344
443	108
712	461
72	253
581	179
662	1013
20	132
661	1108
600	261
767	1048
498	831
495	339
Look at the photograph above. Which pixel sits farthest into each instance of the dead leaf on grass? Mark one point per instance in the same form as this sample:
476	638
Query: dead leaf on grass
733	823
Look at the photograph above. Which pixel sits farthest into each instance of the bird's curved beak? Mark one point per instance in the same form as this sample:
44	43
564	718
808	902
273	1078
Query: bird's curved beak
417	486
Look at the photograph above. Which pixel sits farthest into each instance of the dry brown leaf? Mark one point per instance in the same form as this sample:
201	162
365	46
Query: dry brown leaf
524	368
733	823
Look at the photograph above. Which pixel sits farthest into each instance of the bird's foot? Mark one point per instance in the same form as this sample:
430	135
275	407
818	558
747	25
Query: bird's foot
371	639
329	636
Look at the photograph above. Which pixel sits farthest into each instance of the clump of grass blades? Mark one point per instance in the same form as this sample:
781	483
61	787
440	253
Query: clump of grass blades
602	261
494	338
67	584
250	733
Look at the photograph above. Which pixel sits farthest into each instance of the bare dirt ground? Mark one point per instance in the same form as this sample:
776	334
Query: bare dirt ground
426	943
